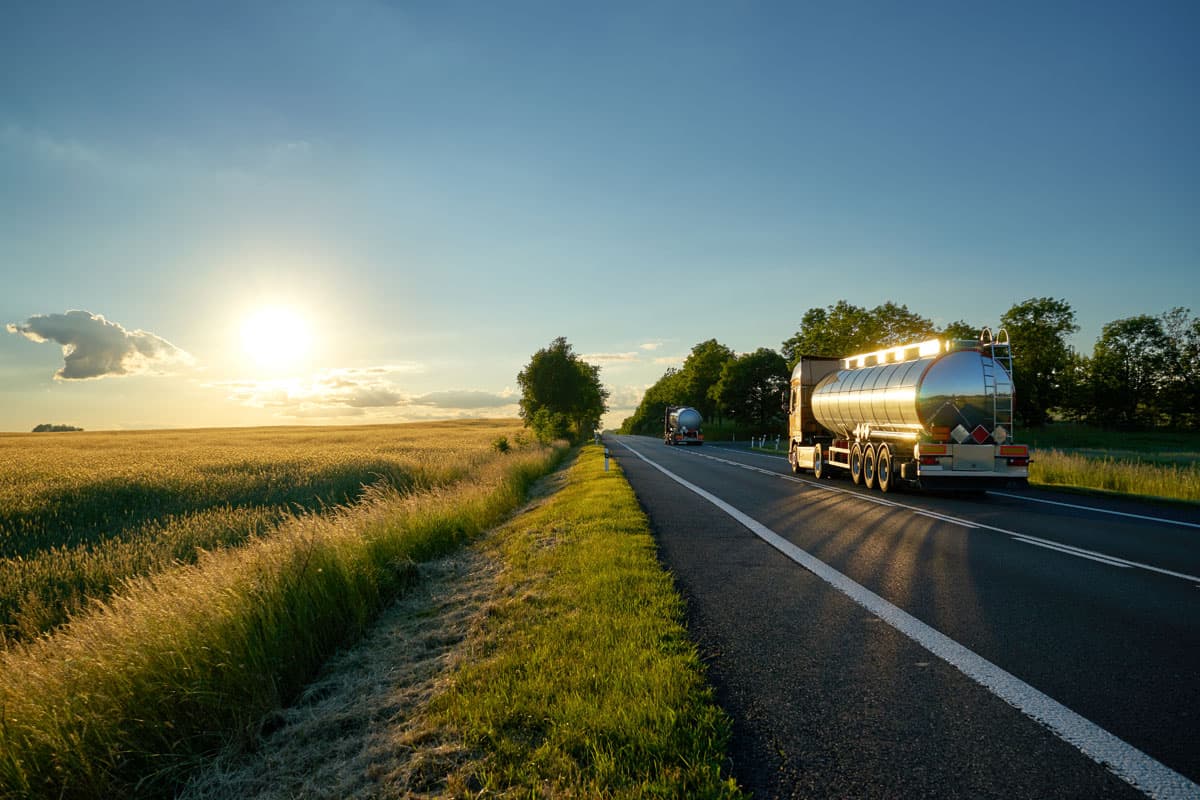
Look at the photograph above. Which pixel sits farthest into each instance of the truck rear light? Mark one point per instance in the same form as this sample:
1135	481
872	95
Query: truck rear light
1018	462
929	461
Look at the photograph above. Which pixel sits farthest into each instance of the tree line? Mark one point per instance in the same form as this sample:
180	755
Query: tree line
1144	371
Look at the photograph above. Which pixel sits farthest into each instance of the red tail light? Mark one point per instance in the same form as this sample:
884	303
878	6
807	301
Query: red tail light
1018	462
929	461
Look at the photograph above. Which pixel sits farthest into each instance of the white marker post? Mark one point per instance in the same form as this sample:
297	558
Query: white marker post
606	459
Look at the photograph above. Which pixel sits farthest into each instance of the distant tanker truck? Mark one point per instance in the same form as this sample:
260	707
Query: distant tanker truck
682	426
937	415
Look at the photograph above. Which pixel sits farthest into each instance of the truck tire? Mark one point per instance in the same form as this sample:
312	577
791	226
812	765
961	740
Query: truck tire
869	472
856	464
819	468
883	469
794	459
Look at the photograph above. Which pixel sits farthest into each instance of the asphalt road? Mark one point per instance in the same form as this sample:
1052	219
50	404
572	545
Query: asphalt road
1032	645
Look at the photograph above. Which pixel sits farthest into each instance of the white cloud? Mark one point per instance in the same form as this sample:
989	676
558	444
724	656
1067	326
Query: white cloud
609	357
651	345
625	397
93	347
48	148
352	392
671	360
464	399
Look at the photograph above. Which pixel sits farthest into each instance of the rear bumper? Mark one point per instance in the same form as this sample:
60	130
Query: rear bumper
971	483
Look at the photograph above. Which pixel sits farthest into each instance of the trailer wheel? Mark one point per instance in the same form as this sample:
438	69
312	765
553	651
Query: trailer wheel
856	464
883	469
819	470
869	472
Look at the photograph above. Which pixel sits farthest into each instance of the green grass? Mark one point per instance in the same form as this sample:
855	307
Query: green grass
1151	464
127	698
1127	476
584	683
81	513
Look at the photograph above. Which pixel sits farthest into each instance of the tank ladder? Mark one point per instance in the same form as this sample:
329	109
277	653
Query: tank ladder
998	386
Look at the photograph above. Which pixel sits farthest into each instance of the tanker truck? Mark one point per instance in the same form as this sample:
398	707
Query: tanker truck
682	426
934	415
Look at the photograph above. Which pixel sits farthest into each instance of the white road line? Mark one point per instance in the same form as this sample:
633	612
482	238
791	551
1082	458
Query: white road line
1164	520
1109	561
1067	549
1148	775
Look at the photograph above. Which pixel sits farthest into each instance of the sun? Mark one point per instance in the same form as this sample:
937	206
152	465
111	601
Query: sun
276	337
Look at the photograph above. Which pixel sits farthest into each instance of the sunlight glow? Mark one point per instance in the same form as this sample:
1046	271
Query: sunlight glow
276	338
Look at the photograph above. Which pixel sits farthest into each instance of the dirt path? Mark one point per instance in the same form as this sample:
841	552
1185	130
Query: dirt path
353	733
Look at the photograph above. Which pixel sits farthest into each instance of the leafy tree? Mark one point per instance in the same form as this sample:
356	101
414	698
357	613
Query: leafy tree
1078	397
961	329
701	372
561	394
1128	368
752	385
844	329
1038	328
1180	395
648	418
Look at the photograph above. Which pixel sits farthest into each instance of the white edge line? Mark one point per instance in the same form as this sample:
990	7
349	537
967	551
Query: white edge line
1164	520
1150	776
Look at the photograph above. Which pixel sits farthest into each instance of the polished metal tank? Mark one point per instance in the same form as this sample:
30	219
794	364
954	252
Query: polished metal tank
912	397
686	418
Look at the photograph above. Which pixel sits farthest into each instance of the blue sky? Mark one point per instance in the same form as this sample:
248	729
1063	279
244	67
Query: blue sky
427	193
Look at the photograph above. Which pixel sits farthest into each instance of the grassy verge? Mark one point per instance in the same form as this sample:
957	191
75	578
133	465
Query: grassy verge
582	681
126	699
1116	475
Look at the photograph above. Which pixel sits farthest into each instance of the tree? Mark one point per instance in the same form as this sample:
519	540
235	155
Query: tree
1038	328
701	372
561	394
845	329
751	387
1181	393
961	329
1129	366
652	411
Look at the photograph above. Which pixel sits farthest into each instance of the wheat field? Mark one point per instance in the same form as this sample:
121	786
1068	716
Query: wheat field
164	668
81	512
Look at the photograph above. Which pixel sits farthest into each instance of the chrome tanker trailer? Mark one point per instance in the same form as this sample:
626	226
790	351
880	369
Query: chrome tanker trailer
682	426
937	414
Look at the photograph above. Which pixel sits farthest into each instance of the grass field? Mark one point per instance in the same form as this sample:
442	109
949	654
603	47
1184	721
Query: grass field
128	695
82	512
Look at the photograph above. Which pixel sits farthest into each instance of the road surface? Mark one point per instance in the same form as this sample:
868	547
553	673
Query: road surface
1015	645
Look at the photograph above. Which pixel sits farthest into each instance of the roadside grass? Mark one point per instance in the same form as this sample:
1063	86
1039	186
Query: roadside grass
581	681
127	698
80	513
1116	475
1149	464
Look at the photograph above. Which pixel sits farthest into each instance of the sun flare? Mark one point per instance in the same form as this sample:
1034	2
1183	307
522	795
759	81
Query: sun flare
276	337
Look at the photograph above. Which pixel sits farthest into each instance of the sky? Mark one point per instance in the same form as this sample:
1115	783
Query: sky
268	213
